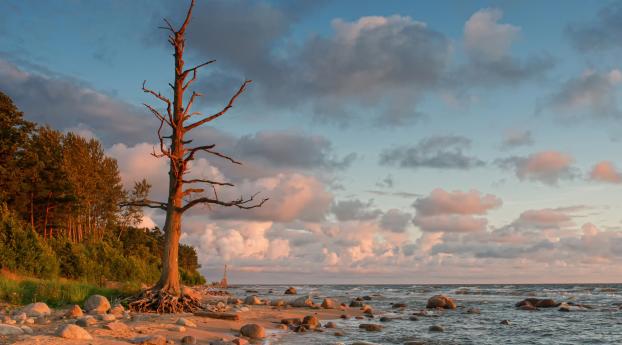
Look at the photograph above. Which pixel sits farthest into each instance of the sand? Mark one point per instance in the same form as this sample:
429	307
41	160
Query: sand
206	330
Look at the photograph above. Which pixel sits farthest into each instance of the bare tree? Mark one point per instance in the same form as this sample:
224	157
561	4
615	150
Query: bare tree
166	296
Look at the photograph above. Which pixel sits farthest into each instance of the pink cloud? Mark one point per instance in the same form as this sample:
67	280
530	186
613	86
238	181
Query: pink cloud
605	171
442	202
547	166
450	223
544	218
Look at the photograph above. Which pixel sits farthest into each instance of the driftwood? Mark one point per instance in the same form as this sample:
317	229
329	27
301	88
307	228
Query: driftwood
220	316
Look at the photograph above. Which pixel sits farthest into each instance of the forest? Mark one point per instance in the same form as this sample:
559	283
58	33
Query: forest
60	213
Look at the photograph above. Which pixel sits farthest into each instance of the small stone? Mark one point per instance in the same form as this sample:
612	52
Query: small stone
398	305
253	331
178	328
42	320
330	324
70	331
116	326
190	340
277	303
505	322
338	334
291	321
473	310
385	319
26	329
185	322
367	309
436	328
302	302
86	321
356	304
20	317
291	291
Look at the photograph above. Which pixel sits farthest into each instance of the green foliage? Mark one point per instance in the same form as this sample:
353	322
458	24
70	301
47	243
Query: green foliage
22	250
60	215
56	293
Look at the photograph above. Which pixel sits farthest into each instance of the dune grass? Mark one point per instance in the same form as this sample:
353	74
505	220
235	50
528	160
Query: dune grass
55	293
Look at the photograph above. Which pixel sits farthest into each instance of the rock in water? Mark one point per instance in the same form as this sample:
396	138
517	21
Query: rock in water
329	303
74	312
505	322
97	304
253	331
356	304
311	321
330	324
252	300
70	331
10	330
371	327
436	328
37	309
441	301
302	302
291	291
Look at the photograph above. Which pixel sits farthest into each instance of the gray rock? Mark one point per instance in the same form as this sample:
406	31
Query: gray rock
329	303
26	329
253	331
10	330
149	340
70	331
301	302
97	304
185	322
37	309
86	321
252	300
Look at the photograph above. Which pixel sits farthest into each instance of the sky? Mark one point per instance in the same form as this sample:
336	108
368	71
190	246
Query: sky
399	142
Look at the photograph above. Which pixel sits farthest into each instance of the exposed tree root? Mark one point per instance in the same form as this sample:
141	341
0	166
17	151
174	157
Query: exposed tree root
160	301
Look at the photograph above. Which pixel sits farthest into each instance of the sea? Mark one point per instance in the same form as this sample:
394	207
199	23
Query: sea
600	323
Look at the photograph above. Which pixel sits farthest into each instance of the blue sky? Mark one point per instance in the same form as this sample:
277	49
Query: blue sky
515	100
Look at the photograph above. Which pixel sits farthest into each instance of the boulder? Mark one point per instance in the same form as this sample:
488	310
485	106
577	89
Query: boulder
253	331
302	302
371	327
185	322
10	330
37	309
311	321
97	304
367	309
74	312
26	329
149	340
291	291
528	303
330	324
441	301
70	331
291	321
329	303
356	304
252	300
436	328
277	303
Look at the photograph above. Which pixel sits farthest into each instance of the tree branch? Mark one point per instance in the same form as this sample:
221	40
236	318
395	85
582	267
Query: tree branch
194	73
162	98
222	112
182	30
241	203
145	203
209	182
207	148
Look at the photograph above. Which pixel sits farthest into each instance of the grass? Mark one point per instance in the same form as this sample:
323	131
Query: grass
55	293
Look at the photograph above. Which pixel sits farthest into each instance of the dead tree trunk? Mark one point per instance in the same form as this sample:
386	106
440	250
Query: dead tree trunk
166	295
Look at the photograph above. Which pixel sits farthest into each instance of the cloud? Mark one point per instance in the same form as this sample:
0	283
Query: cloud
355	210
488	43
548	167
65	103
395	220
286	149
515	138
544	218
254	40
592	95
601	33
443	211
440	152
605	171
